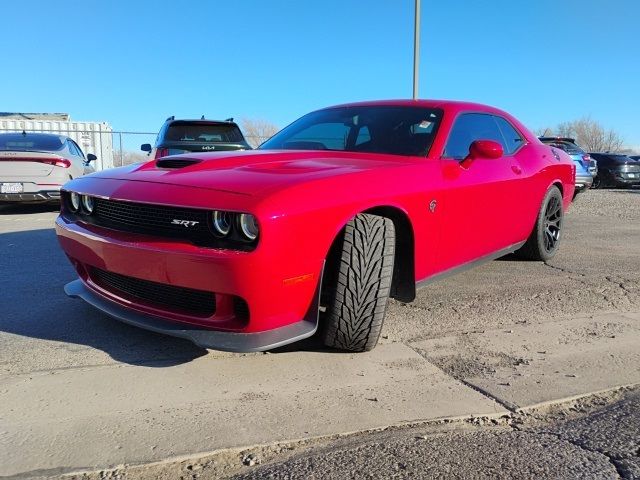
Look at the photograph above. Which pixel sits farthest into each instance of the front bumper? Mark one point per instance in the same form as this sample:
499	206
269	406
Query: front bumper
205	338
280	290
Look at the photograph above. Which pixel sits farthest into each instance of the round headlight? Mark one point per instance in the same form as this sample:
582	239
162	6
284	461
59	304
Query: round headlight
221	223
75	202
249	226
87	204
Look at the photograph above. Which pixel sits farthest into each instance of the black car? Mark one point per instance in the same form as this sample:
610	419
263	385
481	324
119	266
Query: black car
616	170
186	136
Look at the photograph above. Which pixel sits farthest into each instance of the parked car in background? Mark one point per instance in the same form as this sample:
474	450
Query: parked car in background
33	166
616	170
586	167
317	228
187	136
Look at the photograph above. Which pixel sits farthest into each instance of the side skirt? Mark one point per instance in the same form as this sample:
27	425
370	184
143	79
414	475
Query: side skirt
469	265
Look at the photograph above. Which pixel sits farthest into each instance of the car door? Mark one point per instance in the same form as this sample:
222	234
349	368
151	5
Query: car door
477	194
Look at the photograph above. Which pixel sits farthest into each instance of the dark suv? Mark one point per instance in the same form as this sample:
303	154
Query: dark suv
616	170
186	136
586	168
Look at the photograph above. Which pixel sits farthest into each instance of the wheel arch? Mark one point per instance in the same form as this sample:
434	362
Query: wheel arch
403	284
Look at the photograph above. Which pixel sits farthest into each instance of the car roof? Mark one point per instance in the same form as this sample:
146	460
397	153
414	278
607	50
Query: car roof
451	105
202	121
62	138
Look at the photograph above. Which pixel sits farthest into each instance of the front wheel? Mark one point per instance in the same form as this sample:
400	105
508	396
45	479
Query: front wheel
544	240
359	291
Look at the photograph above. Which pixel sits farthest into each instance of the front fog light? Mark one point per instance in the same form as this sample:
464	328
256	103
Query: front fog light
221	223
249	226
88	203
75	202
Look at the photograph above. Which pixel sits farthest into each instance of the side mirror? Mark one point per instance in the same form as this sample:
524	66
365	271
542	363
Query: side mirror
482	149
91	157
145	147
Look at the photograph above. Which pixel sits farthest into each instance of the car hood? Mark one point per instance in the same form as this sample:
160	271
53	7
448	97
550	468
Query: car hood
252	172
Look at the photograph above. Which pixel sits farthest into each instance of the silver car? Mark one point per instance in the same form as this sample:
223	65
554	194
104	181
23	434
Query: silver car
33	166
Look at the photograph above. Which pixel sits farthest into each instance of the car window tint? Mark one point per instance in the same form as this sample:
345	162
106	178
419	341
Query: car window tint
326	136
30	142
77	150
570	148
363	135
512	139
468	128
386	129
199	132
72	148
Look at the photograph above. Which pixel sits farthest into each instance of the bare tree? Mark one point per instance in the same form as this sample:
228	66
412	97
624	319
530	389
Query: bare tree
543	132
256	131
128	157
591	135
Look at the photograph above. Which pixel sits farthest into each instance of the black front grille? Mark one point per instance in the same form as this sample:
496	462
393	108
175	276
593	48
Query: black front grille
186	223
176	299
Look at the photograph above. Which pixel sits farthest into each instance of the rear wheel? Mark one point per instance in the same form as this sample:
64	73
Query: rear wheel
544	240
359	290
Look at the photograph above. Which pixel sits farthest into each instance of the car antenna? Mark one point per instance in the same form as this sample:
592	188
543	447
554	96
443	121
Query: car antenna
202	117
230	119
24	133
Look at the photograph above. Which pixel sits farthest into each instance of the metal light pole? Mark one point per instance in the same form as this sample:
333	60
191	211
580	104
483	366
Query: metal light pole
416	49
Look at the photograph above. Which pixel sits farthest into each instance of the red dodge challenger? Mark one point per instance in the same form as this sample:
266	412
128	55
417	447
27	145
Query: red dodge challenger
316	229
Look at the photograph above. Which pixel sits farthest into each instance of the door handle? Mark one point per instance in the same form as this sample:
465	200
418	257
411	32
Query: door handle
516	169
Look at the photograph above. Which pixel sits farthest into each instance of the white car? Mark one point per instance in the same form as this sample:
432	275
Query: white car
33	166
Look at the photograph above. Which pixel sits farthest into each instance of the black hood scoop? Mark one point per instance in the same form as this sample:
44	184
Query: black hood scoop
169	162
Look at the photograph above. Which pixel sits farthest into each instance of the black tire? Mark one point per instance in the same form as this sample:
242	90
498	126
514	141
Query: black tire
359	290
544	240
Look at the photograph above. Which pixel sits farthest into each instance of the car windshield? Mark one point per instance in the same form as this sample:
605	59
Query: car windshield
30	142
395	130
199	132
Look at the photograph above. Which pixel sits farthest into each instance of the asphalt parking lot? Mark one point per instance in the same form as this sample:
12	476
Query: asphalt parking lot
505	336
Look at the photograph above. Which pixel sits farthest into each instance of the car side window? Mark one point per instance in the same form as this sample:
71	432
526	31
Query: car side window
72	148
512	139
80	150
75	149
468	128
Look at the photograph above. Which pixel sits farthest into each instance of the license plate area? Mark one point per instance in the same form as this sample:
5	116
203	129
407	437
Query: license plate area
11	188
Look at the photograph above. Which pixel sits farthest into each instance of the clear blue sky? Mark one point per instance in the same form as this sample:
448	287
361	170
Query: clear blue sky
133	63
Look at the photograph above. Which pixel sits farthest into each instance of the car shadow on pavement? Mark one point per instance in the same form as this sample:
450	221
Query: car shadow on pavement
21	209
33	304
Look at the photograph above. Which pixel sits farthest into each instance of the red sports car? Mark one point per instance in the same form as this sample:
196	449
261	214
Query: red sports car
315	230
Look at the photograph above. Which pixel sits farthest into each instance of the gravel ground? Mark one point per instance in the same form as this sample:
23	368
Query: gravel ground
596	270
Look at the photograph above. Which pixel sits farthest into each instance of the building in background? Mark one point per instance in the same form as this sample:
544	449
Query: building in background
93	137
